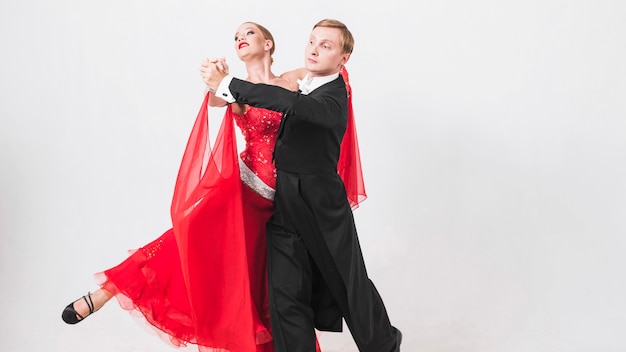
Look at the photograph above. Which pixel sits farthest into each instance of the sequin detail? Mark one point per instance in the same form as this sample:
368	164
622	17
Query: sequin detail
254	182
152	250
259	128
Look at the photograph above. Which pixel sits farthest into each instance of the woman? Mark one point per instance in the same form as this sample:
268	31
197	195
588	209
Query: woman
204	281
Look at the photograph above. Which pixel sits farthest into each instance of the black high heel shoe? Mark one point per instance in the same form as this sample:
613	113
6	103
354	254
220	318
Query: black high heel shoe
71	316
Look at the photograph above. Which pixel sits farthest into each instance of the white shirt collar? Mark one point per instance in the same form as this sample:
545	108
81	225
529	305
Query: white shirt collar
307	85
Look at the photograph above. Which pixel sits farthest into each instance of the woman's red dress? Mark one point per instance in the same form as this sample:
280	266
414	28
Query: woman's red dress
204	281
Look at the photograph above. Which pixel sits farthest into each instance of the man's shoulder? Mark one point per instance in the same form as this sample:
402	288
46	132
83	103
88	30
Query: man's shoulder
336	87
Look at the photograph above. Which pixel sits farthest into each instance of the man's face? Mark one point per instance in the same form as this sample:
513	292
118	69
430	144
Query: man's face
323	54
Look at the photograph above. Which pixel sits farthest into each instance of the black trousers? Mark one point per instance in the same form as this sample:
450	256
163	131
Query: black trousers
317	275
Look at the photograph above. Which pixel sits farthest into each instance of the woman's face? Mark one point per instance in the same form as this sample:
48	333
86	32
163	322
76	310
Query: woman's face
249	42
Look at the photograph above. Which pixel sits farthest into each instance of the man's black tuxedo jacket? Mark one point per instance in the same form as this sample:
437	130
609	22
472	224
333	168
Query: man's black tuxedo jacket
311	199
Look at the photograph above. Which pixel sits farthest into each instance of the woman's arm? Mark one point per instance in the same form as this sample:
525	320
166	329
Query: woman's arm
214	101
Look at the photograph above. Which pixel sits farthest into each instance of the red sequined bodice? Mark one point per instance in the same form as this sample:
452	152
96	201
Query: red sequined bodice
259	128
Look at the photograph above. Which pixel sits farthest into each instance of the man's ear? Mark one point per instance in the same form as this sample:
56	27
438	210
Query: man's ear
344	59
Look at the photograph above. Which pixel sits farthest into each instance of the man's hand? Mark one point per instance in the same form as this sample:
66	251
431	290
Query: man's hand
213	71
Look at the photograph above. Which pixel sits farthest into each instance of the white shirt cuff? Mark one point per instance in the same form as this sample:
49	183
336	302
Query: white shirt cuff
222	90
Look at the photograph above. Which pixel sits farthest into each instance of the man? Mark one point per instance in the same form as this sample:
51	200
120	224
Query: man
316	269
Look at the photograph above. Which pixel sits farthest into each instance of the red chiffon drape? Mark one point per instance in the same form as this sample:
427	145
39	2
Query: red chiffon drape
208	222
349	166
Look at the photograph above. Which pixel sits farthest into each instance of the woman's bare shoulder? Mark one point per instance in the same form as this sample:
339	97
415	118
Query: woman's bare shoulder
293	76
298	73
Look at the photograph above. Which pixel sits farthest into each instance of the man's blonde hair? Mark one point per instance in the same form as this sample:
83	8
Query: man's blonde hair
347	41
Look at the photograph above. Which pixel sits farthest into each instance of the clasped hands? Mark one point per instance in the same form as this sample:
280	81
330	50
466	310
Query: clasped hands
213	72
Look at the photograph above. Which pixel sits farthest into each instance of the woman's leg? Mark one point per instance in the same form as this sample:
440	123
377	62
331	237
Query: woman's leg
87	305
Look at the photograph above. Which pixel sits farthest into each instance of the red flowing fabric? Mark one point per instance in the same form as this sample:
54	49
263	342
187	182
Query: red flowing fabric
206	292
208	223
349	166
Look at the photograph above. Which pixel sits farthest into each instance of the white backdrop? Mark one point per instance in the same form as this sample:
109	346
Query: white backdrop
492	138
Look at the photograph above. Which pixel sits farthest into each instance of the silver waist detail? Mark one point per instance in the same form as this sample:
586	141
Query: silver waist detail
253	181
